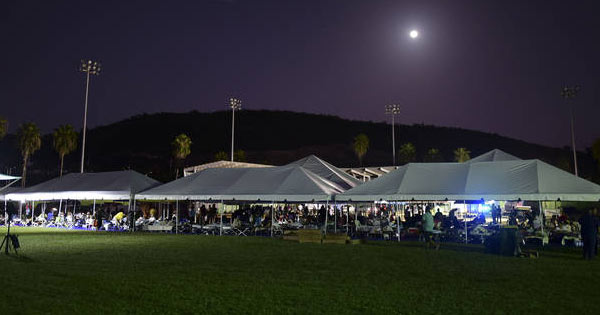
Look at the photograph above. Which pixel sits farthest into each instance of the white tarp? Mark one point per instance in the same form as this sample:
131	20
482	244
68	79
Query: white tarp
494	155
496	180
327	171
8	177
283	183
118	185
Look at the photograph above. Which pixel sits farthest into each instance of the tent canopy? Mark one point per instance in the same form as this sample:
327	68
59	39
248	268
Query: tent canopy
87	186
8	177
327	171
284	183
496	180
493	155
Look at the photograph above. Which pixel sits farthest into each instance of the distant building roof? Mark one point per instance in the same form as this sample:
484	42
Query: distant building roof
494	155
220	164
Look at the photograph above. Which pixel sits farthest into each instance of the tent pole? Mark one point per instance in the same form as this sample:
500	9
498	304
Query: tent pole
32	212
94	209
326	214
347	214
466	230
542	219
177	216
133	213
272	216
335	217
221	224
59	206
5	213
397	220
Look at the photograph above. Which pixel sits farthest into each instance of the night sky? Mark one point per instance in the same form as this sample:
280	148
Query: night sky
495	66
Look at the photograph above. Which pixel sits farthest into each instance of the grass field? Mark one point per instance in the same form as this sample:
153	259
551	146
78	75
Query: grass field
88	272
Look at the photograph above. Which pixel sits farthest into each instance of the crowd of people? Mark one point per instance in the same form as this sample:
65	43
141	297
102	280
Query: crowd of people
425	221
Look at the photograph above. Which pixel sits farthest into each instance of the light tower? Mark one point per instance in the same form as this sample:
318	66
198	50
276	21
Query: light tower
235	104
569	93
90	68
393	109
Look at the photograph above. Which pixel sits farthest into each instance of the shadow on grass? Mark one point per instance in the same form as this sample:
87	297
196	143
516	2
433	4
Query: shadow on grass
19	257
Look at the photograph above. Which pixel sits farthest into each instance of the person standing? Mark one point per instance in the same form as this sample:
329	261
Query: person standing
589	234
428	223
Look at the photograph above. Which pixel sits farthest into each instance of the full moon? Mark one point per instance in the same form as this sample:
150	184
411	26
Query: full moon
414	34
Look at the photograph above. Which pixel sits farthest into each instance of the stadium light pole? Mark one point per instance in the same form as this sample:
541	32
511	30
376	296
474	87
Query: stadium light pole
235	104
90	67
569	93
393	109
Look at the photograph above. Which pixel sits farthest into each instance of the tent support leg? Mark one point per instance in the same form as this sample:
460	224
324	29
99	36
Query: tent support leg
542	219
335	217
326	215
465	218
176	216
133	212
272	216
221	224
397	221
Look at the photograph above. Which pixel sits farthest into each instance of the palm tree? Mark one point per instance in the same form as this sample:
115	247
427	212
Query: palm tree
462	155
239	155
361	146
433	155
29	142
3	127
221	156
182	147
407	153
65	142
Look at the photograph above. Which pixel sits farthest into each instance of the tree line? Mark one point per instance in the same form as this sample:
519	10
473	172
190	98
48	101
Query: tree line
407	152
65	141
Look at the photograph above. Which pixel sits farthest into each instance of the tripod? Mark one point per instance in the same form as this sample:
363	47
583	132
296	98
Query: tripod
9	241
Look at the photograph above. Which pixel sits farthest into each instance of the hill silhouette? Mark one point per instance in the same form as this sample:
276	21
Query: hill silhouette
143	143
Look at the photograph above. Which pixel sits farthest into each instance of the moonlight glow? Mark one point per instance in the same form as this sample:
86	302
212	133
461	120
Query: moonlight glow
414	34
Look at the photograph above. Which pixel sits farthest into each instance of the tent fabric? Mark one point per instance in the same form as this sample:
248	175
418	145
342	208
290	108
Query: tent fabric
8	177
327	171
117	185
283	183
496	180
493	155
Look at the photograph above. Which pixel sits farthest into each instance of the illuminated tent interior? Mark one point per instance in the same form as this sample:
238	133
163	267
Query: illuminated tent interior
496	180
118	185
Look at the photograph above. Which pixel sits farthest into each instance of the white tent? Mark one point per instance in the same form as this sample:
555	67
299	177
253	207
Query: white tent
118	185
8	177
493	155
327	171
283	183
497	180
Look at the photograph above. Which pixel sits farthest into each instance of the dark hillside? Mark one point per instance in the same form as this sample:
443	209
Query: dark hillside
143	142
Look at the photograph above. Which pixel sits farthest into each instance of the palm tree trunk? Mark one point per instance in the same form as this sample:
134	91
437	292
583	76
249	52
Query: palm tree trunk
24	175
62	159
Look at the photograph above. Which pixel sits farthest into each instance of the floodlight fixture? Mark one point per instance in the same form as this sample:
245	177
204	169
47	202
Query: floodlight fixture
569	93
234	104
89	67
393	109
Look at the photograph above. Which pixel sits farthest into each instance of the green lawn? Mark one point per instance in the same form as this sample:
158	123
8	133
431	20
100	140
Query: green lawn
89	272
